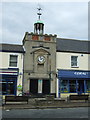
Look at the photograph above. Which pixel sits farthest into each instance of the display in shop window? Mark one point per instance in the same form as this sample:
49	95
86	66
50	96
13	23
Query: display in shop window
64	86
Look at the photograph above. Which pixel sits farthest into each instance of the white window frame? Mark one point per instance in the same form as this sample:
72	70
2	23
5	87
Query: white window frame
9	61
75	66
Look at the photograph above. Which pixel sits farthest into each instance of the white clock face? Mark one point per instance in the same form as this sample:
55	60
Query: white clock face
41	59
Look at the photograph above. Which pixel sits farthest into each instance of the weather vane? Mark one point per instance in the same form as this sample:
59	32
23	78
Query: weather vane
39	12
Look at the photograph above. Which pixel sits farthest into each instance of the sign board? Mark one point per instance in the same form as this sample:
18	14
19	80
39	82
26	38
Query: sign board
73	74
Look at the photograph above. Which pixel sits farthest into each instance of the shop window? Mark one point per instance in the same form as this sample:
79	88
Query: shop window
8	86
74	61
72	85
88	86
0	88
81	86
4	87
10	89
64	86
13	61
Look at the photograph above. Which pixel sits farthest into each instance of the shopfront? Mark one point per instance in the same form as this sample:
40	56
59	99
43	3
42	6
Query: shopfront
73	81
8	82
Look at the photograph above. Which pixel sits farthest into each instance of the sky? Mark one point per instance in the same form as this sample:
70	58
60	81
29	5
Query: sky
65	19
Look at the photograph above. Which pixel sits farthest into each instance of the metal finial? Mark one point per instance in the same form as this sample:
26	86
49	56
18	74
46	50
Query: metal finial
39	9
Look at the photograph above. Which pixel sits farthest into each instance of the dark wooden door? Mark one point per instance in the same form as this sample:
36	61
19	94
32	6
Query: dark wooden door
46	87
34	86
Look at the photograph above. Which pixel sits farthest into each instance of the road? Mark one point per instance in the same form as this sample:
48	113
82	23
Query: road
81	112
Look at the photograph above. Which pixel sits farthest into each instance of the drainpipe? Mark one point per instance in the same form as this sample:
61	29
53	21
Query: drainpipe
23	74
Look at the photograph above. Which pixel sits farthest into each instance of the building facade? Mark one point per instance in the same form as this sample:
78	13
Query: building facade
11	68
73	70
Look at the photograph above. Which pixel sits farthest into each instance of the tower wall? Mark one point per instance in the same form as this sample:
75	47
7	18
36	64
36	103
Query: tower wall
39	47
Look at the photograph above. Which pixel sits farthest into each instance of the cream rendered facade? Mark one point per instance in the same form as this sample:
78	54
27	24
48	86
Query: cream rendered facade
63	62
9	71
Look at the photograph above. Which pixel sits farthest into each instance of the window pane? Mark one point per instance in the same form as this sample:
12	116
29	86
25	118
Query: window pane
13	64
73	63
10	89
0	87
72	85
4	90
13	60
64	86
88	85
74	60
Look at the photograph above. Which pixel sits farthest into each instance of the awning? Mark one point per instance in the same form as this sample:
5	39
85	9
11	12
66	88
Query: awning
73	74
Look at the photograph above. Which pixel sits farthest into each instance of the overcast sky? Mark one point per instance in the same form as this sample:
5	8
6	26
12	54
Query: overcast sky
66	19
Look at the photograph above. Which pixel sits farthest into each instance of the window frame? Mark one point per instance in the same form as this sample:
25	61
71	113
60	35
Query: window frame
74	66
10	61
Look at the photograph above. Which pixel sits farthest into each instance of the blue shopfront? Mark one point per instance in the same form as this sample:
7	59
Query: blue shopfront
8	81
74	81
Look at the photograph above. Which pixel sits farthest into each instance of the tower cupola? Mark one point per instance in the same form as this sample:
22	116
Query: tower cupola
39	25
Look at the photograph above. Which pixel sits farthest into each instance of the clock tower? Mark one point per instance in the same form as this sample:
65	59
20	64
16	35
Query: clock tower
39	61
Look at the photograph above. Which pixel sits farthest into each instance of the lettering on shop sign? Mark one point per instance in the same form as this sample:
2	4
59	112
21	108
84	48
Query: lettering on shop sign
80	73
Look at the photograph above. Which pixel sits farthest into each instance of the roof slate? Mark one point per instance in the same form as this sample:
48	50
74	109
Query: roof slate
71	45
11	48
62	45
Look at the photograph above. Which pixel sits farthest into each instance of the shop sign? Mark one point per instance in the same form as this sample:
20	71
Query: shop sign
73	74
81	73
9	73
19	87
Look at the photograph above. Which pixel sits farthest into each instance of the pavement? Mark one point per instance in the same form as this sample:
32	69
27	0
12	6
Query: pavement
32	105
22	106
